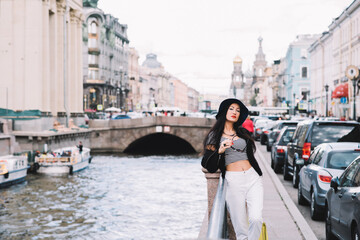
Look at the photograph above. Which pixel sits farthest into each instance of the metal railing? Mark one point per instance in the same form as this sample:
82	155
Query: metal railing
217	228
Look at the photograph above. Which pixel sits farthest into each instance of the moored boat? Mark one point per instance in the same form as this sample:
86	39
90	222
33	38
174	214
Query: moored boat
13	169
63	161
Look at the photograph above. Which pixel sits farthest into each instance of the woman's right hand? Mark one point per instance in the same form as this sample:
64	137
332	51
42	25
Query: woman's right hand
224	145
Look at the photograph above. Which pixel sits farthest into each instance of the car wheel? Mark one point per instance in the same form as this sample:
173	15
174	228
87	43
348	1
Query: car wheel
286	176
295	180
262	140
277	167
301	199
272	163
314	208
355	233
328	228
268	148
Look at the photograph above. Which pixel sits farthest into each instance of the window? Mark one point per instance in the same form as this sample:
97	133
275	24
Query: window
325	133
303	53
93	59
93	73
93	28
341	159
313	155
319	156
347	179
304	72
93	43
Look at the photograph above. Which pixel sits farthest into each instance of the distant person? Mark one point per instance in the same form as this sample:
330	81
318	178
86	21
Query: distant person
249	125
230	148
80	146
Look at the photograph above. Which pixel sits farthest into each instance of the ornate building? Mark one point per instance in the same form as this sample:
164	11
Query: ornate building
330	55
259	66
105	57
40	71
237	80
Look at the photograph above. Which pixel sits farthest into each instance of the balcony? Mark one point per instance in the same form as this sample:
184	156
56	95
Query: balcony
94	81
93	65
94	50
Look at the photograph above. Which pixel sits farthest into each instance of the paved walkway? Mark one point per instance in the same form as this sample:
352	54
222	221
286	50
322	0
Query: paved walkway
282	218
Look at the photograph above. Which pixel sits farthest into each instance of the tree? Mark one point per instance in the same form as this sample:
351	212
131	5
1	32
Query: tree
253	100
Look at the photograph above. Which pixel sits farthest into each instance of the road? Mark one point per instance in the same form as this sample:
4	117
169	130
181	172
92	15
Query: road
318	227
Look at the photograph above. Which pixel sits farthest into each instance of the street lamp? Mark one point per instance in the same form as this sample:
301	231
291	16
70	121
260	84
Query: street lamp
294	104
354	97
326	99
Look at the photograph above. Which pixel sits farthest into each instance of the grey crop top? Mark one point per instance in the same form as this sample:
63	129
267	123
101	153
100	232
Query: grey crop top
232	155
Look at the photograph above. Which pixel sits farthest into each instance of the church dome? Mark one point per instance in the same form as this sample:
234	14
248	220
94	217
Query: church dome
237	59
151	61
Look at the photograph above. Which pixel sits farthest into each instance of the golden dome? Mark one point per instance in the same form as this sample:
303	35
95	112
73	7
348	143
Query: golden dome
237	59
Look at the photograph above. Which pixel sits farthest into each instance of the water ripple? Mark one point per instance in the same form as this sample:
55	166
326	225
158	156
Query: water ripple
126	197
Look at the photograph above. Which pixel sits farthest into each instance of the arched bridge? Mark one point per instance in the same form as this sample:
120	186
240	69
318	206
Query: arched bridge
150	135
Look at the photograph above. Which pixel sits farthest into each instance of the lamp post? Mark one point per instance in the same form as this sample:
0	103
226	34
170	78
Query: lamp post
354	97
326	99
294	104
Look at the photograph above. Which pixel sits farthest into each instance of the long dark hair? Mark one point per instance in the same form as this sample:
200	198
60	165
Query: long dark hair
214	135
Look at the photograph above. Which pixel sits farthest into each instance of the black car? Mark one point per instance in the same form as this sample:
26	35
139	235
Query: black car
342	204
272	134
278	149
307	136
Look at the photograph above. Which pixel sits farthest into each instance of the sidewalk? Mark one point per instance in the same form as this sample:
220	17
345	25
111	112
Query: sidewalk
283	219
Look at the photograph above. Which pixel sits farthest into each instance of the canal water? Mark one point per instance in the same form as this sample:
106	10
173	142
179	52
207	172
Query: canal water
117	197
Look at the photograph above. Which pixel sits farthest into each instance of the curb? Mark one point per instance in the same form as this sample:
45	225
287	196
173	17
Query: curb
298	218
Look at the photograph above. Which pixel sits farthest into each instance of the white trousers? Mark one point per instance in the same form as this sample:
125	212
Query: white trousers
244	201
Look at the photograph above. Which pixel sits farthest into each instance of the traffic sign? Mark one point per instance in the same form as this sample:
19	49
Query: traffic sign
343	100
352	72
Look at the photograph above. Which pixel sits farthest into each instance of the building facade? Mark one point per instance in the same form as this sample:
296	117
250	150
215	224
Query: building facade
297	73
331	54
105	60
134	81
40	69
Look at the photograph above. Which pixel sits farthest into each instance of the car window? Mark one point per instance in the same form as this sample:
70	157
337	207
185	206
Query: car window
318	156
329	133
302	135
297	131
340	160
313	154
347	178
357	178
287	136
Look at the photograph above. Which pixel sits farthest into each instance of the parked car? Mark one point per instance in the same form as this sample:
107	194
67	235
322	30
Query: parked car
121	116
278	149
308	135
327	161
270	137
266	131
259	125
343	204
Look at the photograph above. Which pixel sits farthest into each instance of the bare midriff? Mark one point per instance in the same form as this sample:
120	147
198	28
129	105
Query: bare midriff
239	166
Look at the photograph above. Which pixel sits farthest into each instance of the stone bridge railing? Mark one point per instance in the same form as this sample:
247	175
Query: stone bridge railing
117	135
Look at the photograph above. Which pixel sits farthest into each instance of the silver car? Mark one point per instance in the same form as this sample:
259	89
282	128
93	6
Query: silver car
327	161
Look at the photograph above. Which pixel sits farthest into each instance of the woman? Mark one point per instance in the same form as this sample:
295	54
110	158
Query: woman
229	146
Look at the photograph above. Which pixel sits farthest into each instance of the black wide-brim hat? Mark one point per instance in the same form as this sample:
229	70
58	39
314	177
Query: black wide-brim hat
224	106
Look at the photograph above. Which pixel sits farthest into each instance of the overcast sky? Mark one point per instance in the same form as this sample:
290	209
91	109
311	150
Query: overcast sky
196	40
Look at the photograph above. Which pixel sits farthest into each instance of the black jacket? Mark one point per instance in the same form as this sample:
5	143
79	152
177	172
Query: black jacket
213	161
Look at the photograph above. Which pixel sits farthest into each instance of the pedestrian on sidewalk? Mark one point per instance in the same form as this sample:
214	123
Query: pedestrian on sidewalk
230	148
249	125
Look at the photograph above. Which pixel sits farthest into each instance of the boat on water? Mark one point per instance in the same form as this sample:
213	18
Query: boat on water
63	161
13	169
